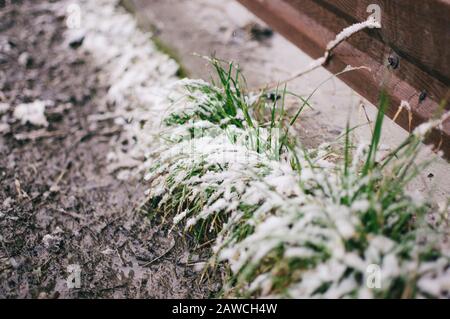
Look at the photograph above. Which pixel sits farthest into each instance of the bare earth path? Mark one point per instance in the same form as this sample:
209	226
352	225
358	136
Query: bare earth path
59	206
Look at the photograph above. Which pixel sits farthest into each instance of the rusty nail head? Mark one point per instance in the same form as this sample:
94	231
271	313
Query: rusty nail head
393	61
422	96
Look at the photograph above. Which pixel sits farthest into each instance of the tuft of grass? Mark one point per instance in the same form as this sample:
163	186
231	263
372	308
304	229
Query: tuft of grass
287	222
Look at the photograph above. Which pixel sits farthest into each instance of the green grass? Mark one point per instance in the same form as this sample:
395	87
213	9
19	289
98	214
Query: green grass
248	173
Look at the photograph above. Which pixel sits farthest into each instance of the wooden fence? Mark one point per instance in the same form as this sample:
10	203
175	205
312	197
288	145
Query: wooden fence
409	56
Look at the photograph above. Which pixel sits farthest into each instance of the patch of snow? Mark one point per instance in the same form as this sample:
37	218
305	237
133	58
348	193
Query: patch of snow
302	212
4	128
52	240
32	113
349	31
342	36
7	203
426	127
138	74
4	107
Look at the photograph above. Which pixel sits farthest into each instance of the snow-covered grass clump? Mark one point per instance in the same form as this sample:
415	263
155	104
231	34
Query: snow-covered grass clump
292	222
223	163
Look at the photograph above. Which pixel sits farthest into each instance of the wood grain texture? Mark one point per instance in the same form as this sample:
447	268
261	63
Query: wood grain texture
311	24
418	30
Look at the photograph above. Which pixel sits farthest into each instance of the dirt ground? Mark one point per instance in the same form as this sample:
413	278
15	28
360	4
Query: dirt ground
60	208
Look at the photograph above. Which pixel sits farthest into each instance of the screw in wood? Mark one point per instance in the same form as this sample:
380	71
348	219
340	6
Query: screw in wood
422	96
393	61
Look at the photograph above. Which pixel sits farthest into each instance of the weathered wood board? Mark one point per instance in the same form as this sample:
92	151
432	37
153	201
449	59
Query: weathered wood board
414	34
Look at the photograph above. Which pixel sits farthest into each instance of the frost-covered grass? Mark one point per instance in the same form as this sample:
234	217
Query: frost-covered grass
292	222
225	165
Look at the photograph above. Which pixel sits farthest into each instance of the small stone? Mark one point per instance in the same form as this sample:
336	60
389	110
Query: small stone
259	32
76	42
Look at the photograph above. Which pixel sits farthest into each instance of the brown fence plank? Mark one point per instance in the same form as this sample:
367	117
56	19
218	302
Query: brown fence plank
311	24
416	29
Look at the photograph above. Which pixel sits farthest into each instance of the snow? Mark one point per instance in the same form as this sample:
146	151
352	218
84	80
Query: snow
4	107
349	31
138	74
32	113
4	128
342	36
360	205
426	127
301	212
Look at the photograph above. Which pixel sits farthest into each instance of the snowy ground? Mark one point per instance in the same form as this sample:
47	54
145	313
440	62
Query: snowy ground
74	105
63	211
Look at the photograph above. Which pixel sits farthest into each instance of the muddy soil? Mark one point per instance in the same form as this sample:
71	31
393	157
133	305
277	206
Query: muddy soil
61	210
